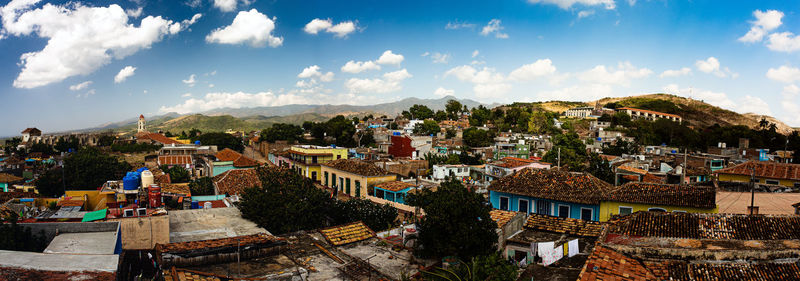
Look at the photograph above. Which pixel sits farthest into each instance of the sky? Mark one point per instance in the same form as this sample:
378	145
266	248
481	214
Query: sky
75	64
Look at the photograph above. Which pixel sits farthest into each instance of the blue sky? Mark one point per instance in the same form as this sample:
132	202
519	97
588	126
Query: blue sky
68	65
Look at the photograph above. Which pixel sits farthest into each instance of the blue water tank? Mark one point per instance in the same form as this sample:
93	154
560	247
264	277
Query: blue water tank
195	205
142	169
130	183
197	142
396	133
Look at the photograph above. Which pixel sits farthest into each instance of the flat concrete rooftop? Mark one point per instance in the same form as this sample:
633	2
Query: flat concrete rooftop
205	224
59	262
96	243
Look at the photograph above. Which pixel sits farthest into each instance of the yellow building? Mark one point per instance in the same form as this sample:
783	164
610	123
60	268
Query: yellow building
353	177
306	159
638	196
93	199
769	173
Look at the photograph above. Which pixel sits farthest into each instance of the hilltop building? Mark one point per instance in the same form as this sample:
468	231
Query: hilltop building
649	114
141	124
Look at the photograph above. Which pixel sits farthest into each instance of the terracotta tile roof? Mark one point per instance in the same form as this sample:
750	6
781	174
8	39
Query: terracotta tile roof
735	271
179	274
13	273
5	196
512	162
214	204
174	159
30	130
347	233
665	194
157	138
227	154
564	225
8	178
649	111
235	181
501	217
631	170
554	185
651	178
773	170
606	264
253	239
70	203
244	161
708	226
180	188
394	185
357	166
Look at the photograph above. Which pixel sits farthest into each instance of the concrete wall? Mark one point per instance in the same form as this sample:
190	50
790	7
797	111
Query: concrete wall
51	228
143	233
608	209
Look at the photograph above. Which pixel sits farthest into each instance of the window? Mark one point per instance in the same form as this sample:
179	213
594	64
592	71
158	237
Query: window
347	186
333	180
314	176
503	203
797	185
358	188
773	182
625	210
678	211
563	211
314	159
379	193
341	184
326	178
543	208
523	206
657	210
587	214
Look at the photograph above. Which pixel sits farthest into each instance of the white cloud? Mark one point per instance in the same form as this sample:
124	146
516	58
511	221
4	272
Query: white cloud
80	86
458	25
791	110
765	21
442	92
621	75
486	82
785	74
124	73
494	27
87	94
578	92
134	13
440	58
234	100
475	53
357	67
390	58
784	42
249	27
313	72
711	65
186	95
191	81
390	82
486	91
751	104
566	4
211	85
230	5
585	13
746	104
676	72
81	39
540	68
341	29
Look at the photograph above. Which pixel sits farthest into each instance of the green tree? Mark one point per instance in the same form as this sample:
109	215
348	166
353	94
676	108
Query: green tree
202	186
600	168
450	209
620	147
479	116
621	119
440	116
108	140
283	132
177	174
453	107
475	137
377	217
88	168
65	144
221	140
427	127
421	112
491	267
573	151
14	237
541	123
43	148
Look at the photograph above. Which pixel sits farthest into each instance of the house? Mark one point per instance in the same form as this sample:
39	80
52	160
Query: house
30	134
508	224
517	150
306	159
228	159
637	196
155	138
649	114
510	165
768	173
624	174
234	182
6	180
683	246
403	167
550	192
579	112
184	161
353	177
414	147
393	191
457	171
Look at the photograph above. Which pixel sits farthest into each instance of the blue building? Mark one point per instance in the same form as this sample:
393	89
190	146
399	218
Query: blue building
394	191
550	192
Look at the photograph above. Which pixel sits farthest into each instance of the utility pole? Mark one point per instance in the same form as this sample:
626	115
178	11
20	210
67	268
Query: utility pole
559	158
752	190
685	167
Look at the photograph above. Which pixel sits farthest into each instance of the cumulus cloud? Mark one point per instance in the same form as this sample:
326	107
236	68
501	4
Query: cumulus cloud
585	13
764	22
746	104
186	95
486	82
566	4
234	100
438	57
540	68
80	39
313	72
80	86
711	65
134	13
785	74
784	42
442	92
341	29
388	57
791	110
494	27
190	81
592	91
390	82
621	75
475	53
249	27
458	25
751	104
124	73
230	5
676	72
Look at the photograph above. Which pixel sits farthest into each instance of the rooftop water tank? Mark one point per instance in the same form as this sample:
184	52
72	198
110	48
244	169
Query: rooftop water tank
207	205
197	142
147	178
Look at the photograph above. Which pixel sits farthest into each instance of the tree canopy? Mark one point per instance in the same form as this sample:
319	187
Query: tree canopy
474	137
283	132
221	140
427	127
202	186
88	168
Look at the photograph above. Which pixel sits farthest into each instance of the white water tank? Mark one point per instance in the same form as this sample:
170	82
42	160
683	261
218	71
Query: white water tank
207	205
147	178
